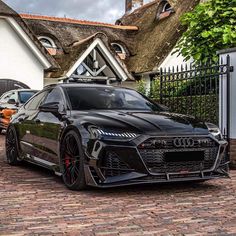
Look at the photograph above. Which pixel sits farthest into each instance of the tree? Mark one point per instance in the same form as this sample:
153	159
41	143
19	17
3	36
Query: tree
211	26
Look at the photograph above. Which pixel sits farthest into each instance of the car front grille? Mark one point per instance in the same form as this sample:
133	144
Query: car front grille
113	166
169	159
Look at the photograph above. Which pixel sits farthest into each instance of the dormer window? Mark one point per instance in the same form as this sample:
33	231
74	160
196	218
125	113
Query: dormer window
48	43
167	7
119	50
164	10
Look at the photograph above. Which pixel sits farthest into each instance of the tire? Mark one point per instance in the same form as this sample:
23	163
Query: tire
1	130
72	161
12	146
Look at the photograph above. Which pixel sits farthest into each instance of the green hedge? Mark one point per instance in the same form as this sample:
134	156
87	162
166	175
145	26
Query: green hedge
203	106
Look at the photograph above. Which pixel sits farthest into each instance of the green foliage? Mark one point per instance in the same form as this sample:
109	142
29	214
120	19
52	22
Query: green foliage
154	93
141	86
200	102
202	107
211	27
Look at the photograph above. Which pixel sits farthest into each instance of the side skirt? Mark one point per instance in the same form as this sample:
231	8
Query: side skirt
45	164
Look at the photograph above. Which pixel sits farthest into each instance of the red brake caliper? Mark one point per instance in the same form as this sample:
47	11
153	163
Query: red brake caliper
67	161
67	164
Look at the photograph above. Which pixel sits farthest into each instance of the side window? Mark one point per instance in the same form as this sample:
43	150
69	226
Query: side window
35	102
13	96
54	95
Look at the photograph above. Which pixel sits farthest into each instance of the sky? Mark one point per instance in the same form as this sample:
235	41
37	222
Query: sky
94	10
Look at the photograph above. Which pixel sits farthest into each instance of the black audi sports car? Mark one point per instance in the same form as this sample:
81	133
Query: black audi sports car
107	136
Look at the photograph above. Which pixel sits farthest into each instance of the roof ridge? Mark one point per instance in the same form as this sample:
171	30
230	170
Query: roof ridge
75	21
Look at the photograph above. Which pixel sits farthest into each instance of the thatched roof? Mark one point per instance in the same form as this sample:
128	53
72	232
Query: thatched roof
68	59
156	38
6	11
75	51
66	31
147	39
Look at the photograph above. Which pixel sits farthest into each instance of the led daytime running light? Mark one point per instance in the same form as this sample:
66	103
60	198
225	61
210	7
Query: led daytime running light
120	135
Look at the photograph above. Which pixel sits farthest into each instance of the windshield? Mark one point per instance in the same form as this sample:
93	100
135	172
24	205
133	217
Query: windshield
108	98
24	96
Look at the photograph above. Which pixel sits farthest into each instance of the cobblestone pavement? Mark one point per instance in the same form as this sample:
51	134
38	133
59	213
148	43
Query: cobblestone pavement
35	202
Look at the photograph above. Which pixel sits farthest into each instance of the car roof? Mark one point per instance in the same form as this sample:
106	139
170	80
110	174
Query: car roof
21	90
82	85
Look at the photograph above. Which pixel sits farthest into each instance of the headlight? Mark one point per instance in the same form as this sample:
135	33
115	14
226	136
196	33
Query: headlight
215	131
101	134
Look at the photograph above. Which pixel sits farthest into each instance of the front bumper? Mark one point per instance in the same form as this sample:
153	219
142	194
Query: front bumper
111	164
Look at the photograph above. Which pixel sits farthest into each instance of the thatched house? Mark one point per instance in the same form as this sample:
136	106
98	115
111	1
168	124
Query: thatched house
138	44
23	59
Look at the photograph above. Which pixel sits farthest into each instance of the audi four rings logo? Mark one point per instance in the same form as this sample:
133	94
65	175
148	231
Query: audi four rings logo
183	142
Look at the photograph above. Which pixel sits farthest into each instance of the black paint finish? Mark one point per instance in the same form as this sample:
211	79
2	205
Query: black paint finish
120	154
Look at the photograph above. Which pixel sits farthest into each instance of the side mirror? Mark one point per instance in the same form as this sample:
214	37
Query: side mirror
50	107
12	101
54	107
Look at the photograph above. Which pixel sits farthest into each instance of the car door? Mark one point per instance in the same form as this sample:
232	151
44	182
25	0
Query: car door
26	123
47	128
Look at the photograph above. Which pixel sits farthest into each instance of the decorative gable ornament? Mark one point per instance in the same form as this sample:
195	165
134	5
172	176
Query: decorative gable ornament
97	63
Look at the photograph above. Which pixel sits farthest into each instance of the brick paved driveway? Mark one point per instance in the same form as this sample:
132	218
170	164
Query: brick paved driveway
35	202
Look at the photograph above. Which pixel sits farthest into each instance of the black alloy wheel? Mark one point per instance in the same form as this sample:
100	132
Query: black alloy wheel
72	162
12	148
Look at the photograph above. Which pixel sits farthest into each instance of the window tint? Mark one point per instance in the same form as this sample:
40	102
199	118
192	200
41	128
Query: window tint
54	95
25	96
35	102
108	98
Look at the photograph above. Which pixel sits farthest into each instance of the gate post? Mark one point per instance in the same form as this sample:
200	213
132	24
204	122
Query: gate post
227	98
161	85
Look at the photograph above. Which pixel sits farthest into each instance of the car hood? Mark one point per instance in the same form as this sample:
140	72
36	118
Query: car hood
143	122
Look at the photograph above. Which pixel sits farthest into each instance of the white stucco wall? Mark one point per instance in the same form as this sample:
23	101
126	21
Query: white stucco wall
17	62
174	60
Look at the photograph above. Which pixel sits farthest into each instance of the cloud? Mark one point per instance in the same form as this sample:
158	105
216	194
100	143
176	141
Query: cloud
94	10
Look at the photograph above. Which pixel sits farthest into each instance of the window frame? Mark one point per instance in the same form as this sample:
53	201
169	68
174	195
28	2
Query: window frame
120	46
51	41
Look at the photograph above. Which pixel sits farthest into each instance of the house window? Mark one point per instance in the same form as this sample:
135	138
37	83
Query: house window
47	42
165	10
167	7
119	50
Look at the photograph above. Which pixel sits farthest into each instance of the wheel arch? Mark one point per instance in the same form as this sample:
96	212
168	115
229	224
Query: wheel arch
65	131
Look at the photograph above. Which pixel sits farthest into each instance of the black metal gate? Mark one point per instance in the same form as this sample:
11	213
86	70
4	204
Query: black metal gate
192	90
8	84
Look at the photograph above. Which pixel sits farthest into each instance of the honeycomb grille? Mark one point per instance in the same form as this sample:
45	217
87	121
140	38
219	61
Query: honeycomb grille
113	166
154	158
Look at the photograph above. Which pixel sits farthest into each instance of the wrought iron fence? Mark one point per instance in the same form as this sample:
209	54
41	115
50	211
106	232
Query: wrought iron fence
191	89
